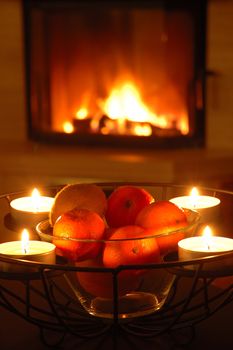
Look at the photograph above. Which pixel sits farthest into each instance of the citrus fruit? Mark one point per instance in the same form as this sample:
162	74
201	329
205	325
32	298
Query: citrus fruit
124	204
73	231
82	196
163	218
100	284
130	245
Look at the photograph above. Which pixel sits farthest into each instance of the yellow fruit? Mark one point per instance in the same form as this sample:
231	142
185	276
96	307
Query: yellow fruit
81	196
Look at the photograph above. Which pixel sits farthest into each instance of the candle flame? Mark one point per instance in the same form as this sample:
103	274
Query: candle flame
35	200
35	193
25	241
194	197
207	234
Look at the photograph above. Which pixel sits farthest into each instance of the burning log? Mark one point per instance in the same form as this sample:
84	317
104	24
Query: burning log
82	126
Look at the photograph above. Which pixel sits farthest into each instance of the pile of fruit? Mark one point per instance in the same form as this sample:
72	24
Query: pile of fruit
127	227
85	216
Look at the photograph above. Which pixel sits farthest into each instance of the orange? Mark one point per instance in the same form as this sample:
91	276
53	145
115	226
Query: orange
100	284
163	218
124	204
75	232
129	245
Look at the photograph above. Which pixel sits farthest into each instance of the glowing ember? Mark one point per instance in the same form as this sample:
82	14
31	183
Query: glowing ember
68	127
142	130
82	113
183	125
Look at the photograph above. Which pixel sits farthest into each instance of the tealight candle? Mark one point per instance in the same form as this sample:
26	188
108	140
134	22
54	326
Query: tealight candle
26	249
207	206
206	245
31	210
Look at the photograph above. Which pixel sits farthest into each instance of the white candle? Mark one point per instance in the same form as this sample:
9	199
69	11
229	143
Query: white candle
43	252
206	245
31	210
207	206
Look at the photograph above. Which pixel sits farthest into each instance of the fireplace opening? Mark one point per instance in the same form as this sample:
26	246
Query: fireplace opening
116	73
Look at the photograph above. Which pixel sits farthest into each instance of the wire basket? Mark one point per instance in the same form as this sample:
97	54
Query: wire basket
48	296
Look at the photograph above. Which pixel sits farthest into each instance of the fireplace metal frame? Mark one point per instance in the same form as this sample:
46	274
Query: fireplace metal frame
198	8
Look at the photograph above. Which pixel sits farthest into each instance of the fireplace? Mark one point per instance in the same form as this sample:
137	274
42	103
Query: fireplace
116	73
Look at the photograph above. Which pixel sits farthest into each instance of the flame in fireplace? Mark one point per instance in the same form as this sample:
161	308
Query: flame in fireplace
68	127
124	112
126	107
125	103
82	113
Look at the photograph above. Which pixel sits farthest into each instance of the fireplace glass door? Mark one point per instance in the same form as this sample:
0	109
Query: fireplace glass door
116	73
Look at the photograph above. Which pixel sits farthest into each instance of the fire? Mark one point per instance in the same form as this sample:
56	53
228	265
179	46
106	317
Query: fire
207	236
68	127
25	241
183	125
143	130
82	113
124	112
126	103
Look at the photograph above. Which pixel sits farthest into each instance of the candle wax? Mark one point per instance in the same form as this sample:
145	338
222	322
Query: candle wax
198	244
14	248
38	251
197	247
207	206
28	204
201	202
25	211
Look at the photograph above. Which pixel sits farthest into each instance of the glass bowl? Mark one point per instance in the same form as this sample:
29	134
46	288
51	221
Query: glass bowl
130	289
